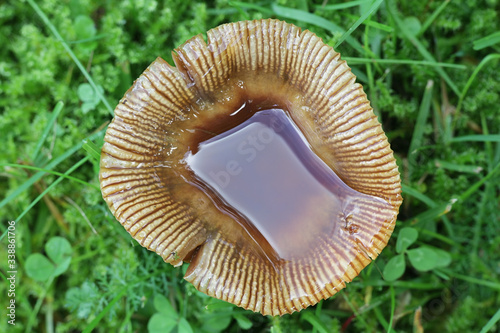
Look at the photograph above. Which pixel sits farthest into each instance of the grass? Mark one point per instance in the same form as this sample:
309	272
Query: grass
430	71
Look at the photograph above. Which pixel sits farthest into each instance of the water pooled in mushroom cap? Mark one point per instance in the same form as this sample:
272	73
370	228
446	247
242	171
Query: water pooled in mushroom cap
265	176
258	160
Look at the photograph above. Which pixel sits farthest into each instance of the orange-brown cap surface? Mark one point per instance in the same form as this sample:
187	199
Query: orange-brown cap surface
244	68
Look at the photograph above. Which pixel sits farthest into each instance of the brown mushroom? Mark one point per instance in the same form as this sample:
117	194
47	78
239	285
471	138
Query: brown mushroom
258	160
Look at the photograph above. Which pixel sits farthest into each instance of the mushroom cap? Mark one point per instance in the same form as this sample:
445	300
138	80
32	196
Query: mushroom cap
150	190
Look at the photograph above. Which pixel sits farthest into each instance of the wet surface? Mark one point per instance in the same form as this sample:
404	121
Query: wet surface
264	174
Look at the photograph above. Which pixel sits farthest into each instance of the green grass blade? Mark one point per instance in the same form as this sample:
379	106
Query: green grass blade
92	39
38	175
483	62
221	11
373	8
355	61
440	237
316	20
369	74
57	181
38	305
4	277
405	284
245	5
496	158
338	6
433	212
49	166
488	145
378	26
380	317
356	312
50	124
489	325
458	167
484	42
65	45
242	12
418	132
38	198
418	195
90	327
12	165
393	309
477	138
315	322
420	47
92	149
478	184
432	18
490	284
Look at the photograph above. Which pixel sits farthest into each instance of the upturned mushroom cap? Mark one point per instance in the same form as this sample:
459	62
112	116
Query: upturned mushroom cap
151	191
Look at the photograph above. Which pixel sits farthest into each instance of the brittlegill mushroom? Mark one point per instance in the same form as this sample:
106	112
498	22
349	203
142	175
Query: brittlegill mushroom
258	160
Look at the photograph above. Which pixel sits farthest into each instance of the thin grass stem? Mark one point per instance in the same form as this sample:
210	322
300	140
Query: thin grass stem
491	323
316	20
29	167
418	132
420	47
432	18
373	8
393	309
52	120
471	79
355	60
65	45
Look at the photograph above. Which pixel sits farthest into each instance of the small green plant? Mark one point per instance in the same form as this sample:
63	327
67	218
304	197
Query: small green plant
166	319
423	258
89	97
82	300
85	33
40	268
217	317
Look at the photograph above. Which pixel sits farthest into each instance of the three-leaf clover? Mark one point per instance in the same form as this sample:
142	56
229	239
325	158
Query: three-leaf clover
41	268
423	258
166	319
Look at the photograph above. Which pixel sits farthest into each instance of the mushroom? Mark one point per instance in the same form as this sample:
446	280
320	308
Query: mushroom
258	160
